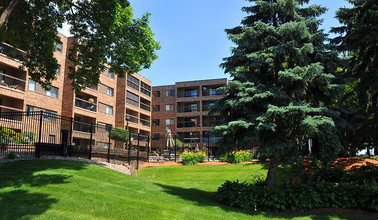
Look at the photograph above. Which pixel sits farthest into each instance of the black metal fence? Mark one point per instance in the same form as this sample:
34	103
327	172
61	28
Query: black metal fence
43	133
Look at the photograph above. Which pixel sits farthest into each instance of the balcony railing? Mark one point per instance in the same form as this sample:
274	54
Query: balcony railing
206	108
145	122
12	82
187	109
212	123
84	104
12	52
188	124
131	119
182	94
90	86
211	92
84	127
8	109
145	106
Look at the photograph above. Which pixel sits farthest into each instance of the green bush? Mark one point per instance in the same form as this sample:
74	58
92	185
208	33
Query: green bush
262	157
366	175
11	155
298	197
237	156
190	158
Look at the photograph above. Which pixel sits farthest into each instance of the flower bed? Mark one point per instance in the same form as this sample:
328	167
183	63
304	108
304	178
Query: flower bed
190	158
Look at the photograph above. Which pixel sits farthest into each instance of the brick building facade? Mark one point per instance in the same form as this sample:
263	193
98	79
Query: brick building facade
183	108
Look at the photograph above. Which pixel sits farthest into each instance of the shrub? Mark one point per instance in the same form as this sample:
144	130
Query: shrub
298	197
190	158
262	157
329	174
237	156
11	155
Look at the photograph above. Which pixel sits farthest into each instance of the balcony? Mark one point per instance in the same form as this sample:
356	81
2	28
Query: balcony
83	126
212	123
187	109
211	92
188	122
145	122
187	93
131	119
86	104
11	52
12	82
145	104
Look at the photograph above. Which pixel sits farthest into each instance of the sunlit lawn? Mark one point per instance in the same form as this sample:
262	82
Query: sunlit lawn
55	189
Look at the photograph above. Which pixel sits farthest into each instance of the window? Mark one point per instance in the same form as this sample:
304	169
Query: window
59	46
156	122
111	74
169	107
110	91
214	92
156	94
169	121
53	92
31	85
155	136
169	93
58	70
104	127
109	110
156	108
132	82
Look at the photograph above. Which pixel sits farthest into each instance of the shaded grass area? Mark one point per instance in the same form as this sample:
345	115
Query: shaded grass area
57	189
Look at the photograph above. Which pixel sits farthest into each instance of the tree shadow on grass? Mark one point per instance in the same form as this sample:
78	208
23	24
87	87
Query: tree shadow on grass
20	204
16	174
204	198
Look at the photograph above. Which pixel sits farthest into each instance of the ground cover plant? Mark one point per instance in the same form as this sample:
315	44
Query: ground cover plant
55	189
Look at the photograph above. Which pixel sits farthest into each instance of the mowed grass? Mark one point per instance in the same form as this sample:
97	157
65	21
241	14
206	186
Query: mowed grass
56	189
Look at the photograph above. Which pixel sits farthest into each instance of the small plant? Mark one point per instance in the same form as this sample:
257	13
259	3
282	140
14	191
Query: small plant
237	156
11	155
190	158
262	157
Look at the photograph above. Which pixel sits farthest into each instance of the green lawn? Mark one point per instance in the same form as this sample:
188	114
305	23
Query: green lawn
54	189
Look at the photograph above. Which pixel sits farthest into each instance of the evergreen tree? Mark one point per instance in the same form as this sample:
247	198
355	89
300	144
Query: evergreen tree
359	39
282	82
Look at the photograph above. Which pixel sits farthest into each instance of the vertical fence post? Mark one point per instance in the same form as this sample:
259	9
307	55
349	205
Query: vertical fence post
129	152
208	147
109	145
148	148
71	131
38	146
175	148
90	143
137	167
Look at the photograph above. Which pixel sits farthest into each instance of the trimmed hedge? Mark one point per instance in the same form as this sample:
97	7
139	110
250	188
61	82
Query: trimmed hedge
298	197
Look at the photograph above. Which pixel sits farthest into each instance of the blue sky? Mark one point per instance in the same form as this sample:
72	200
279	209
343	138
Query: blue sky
192	38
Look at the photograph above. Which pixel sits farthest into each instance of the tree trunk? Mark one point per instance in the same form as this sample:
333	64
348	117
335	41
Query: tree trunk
273	167
4	18
376	151
368	150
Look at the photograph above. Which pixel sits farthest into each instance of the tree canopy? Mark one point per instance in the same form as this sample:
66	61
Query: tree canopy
106	33
358	38
283	82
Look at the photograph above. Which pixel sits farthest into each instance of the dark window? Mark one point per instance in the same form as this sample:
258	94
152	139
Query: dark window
132	99
155	136
58	70
156	122
156	94
156	108
169	93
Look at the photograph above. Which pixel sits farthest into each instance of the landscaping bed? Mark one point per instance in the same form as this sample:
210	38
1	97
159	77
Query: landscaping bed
161	164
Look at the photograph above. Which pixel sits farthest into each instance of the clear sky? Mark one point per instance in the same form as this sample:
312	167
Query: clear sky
192	38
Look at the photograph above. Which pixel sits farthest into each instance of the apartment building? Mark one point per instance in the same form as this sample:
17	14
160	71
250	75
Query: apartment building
18	92
95	108
183	108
